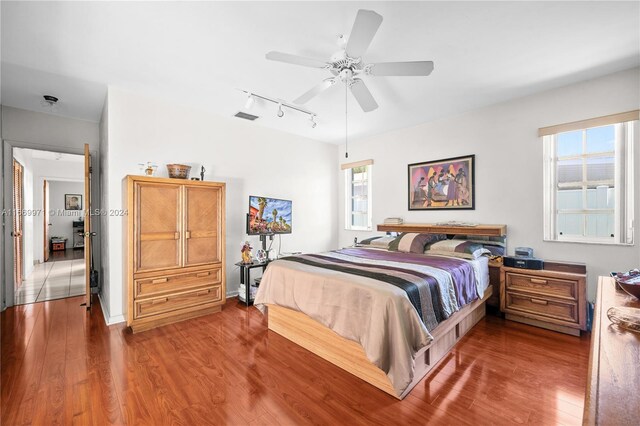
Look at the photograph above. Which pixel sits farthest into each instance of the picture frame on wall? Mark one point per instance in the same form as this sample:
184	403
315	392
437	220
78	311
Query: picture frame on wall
446	184
72	202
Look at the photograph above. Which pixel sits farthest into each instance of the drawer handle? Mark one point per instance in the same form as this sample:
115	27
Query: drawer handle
176	235
538	281
203	274
203	292
539	301
159	280
187	234
157	301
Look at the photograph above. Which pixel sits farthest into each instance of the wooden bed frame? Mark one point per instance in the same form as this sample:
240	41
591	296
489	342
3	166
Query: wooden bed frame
350	356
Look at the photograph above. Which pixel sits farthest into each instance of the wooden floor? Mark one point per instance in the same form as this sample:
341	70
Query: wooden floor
61	365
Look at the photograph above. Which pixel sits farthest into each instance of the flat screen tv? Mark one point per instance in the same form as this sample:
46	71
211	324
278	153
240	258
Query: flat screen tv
268	216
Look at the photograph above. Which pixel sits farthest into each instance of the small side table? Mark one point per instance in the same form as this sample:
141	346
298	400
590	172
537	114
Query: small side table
58	244
245	277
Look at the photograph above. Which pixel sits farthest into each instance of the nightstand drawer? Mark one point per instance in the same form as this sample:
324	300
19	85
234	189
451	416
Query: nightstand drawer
542	286
540	306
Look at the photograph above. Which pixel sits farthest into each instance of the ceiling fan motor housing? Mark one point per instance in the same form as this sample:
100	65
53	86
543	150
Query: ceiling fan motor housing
340	61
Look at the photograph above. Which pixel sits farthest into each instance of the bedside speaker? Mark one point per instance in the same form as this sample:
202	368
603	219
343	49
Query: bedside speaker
523	262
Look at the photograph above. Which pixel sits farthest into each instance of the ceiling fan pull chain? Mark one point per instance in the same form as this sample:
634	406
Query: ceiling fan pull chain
346	122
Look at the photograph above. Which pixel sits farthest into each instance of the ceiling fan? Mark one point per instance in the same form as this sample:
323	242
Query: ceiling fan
347	65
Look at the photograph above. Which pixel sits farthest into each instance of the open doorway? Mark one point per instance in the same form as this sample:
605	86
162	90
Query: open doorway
49	233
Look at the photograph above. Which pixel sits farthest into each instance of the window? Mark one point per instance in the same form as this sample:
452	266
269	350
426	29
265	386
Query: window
588	188
358	195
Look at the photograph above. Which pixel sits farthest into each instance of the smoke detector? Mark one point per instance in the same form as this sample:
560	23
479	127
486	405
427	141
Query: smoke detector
49	102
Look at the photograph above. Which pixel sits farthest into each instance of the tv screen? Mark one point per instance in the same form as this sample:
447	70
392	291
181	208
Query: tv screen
268	216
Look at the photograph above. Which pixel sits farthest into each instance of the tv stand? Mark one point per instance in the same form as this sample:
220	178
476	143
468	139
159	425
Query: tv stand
263	239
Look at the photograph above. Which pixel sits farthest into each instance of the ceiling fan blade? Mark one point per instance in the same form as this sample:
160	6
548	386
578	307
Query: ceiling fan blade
295	59
363	95
417	68
364	28
315	91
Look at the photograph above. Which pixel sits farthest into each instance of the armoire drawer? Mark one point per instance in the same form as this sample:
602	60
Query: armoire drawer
171	283
543	307
158	305
542	286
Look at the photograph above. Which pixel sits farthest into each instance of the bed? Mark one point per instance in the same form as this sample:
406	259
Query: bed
386	317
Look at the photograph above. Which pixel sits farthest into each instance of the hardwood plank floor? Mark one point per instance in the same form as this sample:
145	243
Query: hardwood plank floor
62	365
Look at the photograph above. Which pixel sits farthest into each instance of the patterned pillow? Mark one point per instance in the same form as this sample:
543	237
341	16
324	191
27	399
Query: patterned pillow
496	245
368	241
382	243
412	242
458	248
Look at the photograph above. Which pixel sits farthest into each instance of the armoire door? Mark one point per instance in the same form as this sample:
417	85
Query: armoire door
158	231
203	227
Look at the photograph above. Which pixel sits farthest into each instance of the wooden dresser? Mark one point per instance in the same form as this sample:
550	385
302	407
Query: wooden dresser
174	249
613	387
549	299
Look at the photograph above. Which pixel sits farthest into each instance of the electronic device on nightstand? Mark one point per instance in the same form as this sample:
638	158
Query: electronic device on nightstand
523	262
524	252
523	259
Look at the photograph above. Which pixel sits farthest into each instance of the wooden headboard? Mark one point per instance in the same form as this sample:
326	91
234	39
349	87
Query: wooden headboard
432	228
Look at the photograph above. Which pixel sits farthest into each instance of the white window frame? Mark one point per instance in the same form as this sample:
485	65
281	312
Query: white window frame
348	199
626	133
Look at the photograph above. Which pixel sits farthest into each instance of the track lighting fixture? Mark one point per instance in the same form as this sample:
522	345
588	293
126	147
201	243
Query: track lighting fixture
251	99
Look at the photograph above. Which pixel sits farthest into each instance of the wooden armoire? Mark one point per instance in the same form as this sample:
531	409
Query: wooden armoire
175	249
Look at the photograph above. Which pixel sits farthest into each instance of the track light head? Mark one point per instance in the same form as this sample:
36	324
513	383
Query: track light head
250	101
280	111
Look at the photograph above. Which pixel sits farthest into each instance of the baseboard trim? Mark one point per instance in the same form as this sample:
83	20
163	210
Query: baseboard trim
108	319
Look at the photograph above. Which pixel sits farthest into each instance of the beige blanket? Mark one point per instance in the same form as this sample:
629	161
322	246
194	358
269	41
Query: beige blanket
378	316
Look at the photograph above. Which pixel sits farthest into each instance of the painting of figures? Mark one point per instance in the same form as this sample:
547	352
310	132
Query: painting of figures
269	216
442	184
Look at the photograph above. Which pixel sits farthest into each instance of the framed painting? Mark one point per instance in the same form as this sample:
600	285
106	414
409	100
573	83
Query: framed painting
446	184
72	202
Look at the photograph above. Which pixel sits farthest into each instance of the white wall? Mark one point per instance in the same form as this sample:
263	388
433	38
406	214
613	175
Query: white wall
24	157
252	160
103	184
508	167
50	132
62	221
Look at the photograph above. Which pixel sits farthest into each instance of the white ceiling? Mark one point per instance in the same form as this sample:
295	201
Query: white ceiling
38	154
56	156
199	53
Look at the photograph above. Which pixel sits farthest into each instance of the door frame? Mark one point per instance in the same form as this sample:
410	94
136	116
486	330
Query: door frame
6	241
17	223
45	221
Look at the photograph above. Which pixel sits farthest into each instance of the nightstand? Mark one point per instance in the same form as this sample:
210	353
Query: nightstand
245	278
58	244
553	298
